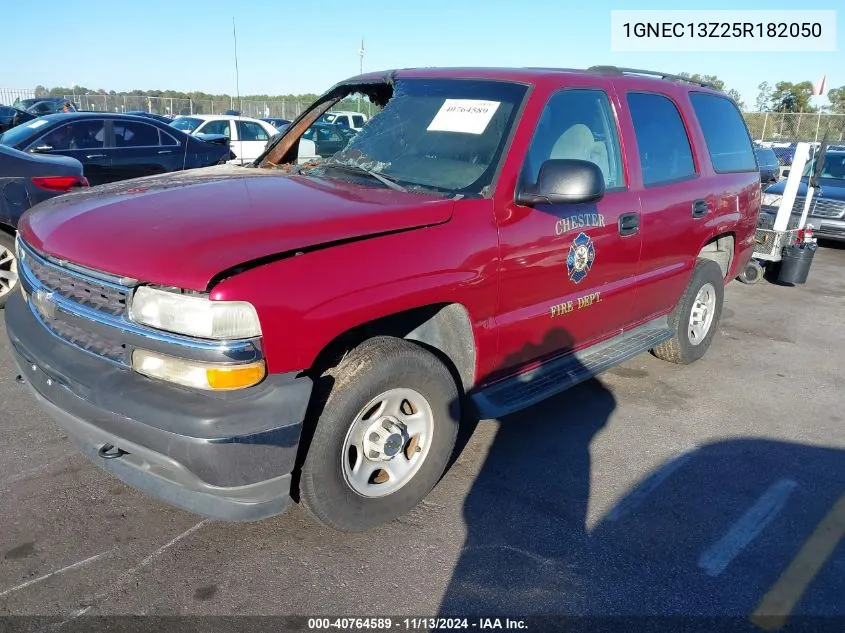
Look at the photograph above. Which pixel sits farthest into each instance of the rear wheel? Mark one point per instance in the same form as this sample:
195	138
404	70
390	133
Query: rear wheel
383	437
696	317
8	268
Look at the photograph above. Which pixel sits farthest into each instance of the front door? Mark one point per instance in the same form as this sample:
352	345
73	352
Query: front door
252	139
567	270
84	140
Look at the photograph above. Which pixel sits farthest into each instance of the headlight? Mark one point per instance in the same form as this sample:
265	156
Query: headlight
194	374
771	199
194	316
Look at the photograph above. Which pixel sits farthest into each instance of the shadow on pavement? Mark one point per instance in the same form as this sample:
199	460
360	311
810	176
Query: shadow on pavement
696	545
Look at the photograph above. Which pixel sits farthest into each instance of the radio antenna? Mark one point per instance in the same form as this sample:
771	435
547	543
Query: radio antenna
237	74
237	83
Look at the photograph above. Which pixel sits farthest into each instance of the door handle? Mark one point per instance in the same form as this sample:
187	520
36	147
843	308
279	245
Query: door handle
95	156
166	151
629	223
699	208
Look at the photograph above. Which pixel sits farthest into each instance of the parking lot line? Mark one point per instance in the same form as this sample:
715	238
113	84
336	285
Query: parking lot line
716	559
126	576
777	605
53	573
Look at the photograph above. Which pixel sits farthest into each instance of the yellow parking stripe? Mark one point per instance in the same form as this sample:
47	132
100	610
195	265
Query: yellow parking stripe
777	605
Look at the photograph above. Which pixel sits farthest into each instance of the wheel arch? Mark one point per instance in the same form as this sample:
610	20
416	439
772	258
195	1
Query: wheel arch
721	249
445	329
8	229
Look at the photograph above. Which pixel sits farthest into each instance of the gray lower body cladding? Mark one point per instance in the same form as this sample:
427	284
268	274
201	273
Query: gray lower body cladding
227	456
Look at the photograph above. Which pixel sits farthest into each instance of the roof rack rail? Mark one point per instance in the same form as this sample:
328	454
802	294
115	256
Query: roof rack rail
615	70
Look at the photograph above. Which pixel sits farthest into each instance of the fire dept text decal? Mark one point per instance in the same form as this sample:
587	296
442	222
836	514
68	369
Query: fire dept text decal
575	304
580	258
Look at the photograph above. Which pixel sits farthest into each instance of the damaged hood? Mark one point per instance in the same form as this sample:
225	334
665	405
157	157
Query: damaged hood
184	228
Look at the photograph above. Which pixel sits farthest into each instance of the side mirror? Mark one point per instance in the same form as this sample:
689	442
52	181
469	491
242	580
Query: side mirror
785	173
563	181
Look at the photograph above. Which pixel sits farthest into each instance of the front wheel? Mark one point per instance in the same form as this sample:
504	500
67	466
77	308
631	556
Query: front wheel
696	317
8	268
384	436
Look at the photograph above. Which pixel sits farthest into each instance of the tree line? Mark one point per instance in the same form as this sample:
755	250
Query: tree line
784	96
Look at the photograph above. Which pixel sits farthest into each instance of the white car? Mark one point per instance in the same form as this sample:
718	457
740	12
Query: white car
352	120
247	136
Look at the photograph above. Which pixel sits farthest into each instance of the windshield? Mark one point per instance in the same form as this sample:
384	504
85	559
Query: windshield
22	133
834	166
186	124
443	134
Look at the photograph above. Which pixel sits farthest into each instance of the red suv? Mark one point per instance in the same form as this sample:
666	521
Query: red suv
229	338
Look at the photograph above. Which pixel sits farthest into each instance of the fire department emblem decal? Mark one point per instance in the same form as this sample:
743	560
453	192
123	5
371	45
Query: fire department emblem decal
580	258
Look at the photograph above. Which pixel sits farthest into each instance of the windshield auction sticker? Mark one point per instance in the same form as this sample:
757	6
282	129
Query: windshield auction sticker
470	116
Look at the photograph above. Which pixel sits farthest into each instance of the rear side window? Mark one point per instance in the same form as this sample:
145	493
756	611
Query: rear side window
725	133
132	134
662	141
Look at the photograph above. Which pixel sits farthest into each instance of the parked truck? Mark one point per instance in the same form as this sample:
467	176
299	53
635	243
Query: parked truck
233	338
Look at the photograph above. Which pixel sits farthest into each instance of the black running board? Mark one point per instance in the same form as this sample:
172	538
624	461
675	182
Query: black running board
526	389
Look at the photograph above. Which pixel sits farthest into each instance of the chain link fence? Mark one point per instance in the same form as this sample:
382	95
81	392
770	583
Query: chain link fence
779	127
793	127
167	106
9	95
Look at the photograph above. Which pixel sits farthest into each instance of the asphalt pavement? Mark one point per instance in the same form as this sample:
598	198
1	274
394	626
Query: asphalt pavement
713	489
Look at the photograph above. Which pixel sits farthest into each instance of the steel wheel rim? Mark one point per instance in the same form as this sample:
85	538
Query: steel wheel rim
387	443
701	316
8	271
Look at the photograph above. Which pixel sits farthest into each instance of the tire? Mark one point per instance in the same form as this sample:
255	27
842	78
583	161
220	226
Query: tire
378	366
752	273
683	348
8	268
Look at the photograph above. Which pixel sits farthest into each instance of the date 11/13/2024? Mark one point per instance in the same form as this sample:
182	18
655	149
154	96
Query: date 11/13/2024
415	623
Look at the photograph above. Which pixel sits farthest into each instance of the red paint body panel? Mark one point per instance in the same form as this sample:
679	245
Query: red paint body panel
183	235
504	263
325	293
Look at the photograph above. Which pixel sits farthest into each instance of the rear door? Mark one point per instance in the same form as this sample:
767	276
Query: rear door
678	199
82	139
138	150
567	270
252	139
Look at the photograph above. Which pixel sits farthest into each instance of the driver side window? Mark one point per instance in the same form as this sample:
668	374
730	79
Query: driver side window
578	124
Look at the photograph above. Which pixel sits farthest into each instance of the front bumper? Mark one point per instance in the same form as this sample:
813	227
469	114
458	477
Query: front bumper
228	455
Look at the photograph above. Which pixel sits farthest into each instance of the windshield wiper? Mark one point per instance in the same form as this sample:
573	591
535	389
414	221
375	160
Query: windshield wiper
387	181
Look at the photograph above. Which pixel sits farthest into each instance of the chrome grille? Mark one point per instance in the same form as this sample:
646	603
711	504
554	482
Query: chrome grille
820	207
83	290
100	345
